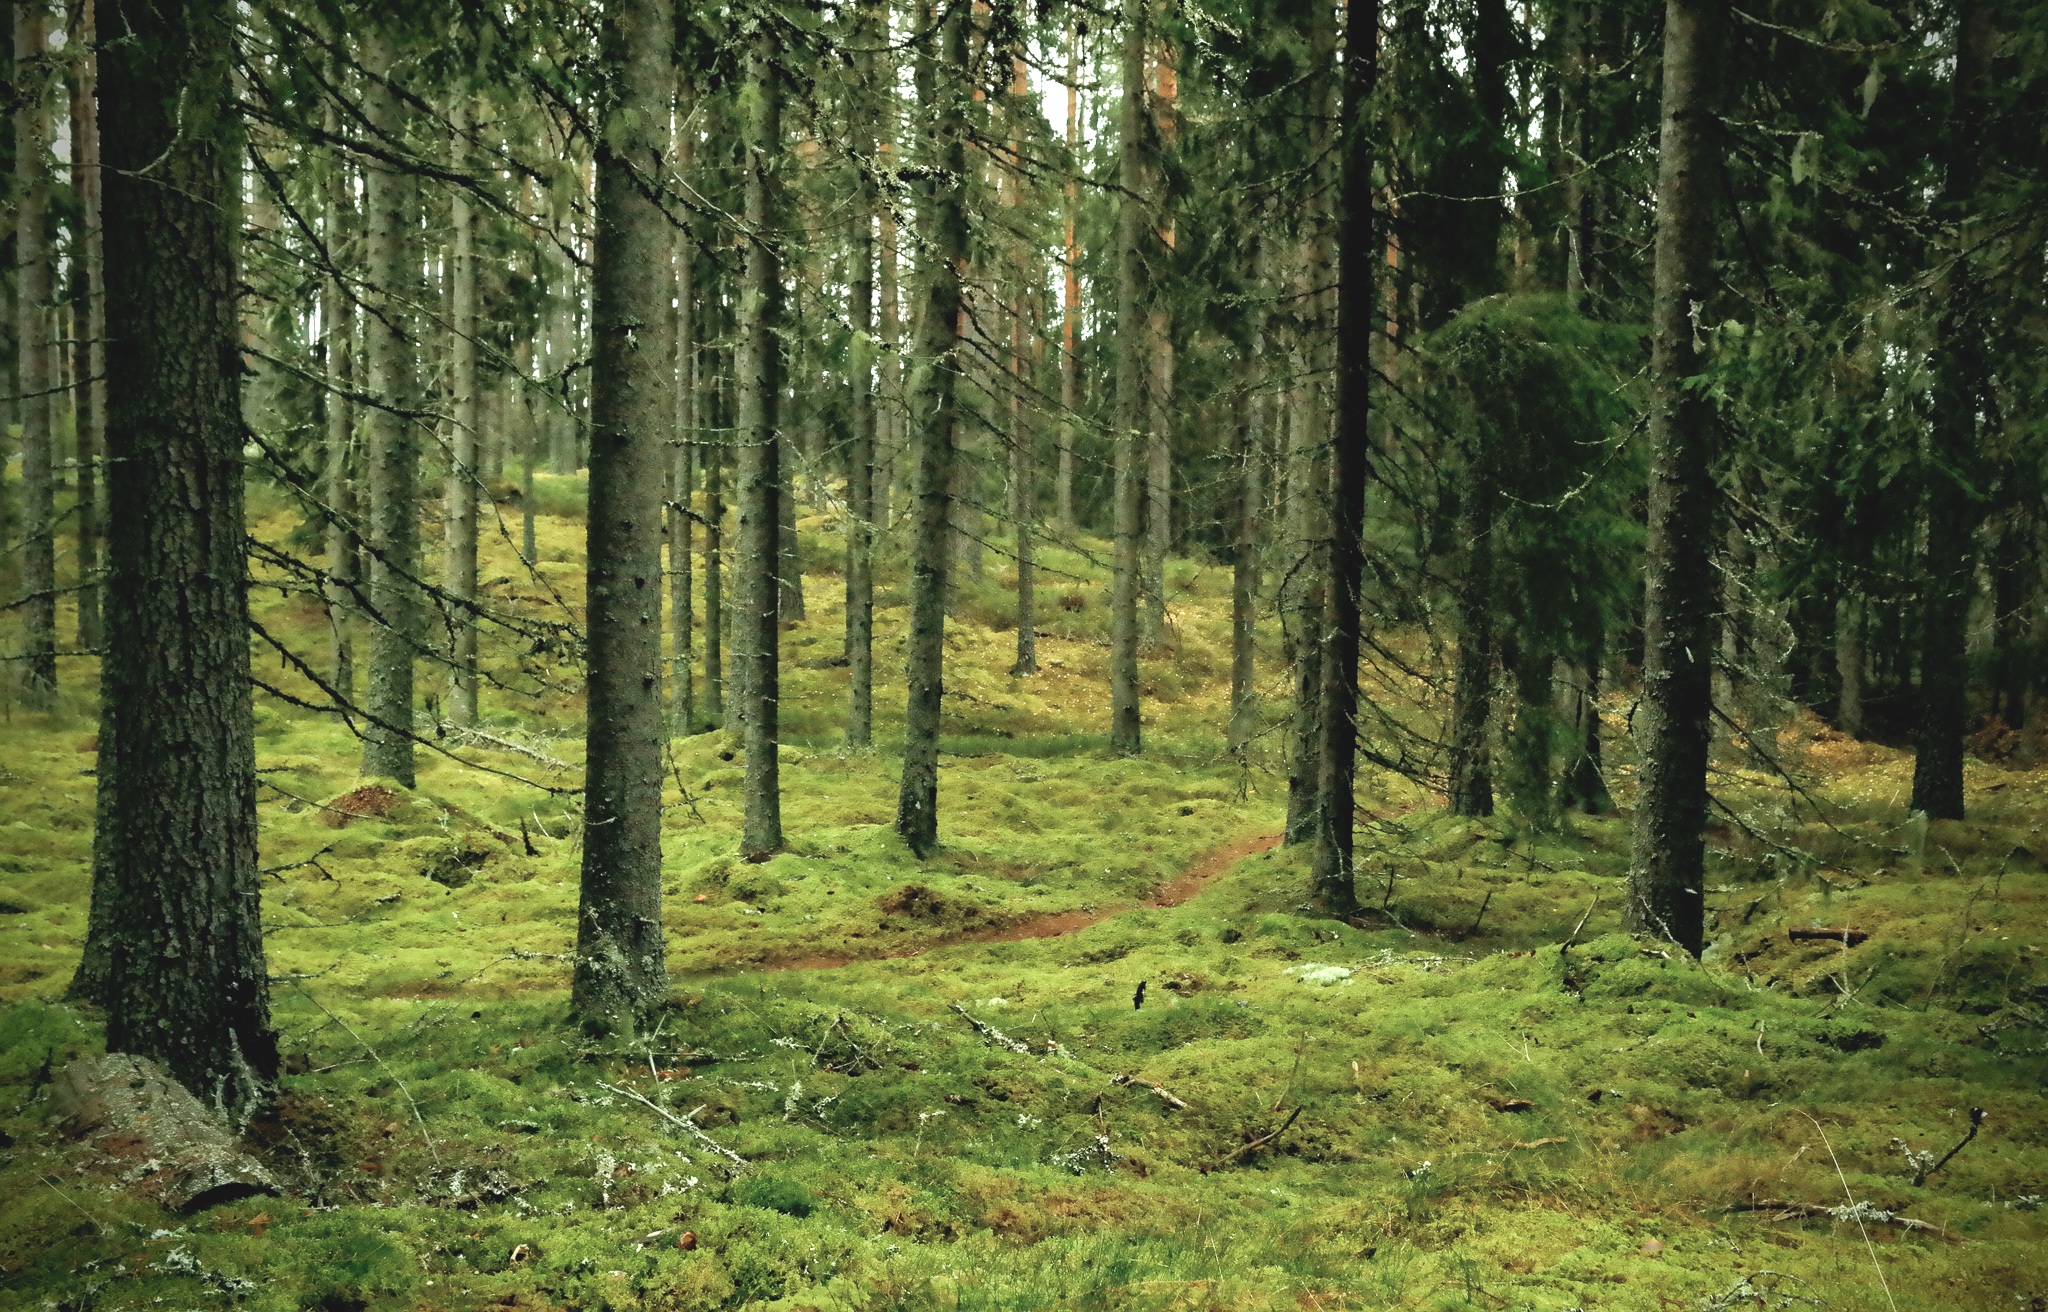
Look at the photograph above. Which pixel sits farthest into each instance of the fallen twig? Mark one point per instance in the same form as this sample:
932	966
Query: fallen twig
1976	1120
1828	934
683	1123
1539	1143
1262	1141
1165	1095
994	1035
1788	1211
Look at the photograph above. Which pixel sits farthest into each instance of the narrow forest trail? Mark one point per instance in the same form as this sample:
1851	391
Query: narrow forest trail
1204	871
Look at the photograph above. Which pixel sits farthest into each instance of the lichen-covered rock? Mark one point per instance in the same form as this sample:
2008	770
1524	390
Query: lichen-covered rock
153	1135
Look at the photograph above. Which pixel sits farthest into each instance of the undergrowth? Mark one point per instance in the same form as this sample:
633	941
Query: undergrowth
1487	1096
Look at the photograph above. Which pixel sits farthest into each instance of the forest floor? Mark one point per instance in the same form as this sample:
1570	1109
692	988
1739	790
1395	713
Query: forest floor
935	1074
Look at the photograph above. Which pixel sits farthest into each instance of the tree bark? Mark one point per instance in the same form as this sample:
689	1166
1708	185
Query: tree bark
1159	344
620	975
1244	576
1023	506
36	375
1350	453
713	456
1849	620
760	456
186	983
1952	508
871	30
459	570
682	508
942	222
90	310
337	322
1668	856
1131	415
393	441
1070	301
1303	601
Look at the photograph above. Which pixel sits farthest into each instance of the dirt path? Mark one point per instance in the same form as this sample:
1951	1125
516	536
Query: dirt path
1206	869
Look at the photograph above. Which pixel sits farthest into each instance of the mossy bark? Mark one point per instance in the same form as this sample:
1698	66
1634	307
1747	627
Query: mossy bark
942	221
1668	856
186	982
620	967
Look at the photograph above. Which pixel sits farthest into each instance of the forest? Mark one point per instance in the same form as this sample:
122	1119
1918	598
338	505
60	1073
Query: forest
1001	588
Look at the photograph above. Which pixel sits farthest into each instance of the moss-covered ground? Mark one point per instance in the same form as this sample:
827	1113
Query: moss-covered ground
1486	1097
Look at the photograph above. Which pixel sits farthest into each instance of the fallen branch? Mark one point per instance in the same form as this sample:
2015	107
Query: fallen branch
1828	934
1788	1211
994	1035
1262	1141
1539	1143
1976	1120
464	736
1165	1095
683	1123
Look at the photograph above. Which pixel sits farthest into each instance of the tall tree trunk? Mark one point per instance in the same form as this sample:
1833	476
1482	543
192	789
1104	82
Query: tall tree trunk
789	565
393	455
619	975
1131	415
459	572
1667	861
1584	784
1303	598
337	323
1471	764
1350	452
186	982
529	450
942	223
89	351
872	30
713	454
1952	509
760	457
1244	576
681	508
894	418
36	378
1849	621
1070	300
1159	342
1023	506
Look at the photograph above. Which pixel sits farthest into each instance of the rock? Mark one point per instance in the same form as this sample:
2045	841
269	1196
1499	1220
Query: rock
153	1134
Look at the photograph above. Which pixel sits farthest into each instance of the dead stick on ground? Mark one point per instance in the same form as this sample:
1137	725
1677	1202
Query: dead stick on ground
1261	1141
1976	1120
683	1123
1165	1095
432	1151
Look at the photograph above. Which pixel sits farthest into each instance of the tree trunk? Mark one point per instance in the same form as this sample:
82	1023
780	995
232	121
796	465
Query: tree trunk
1849	620
872	29
1350	452
90	351
529	451
1471	765
1023	506
1302	600
459	572
789	565
682	508
1952	508
1585	779
393	455
714	576
1244	577
893	419
1159	341
1070	301
1131	415
36	378
760	471
337	322
619	975
186	983
1667	860
942	223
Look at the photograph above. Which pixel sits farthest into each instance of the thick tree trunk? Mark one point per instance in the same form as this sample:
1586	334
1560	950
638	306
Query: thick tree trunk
1023	508
619	975
458	578
1131	414
1952	508
942	222
1159	341
36	375
760	457
1303	598
186	982
337	322
393	442
872	31
1667	861
1350	452
90	313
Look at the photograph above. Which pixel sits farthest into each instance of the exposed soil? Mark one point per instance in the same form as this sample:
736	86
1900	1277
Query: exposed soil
1206	870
